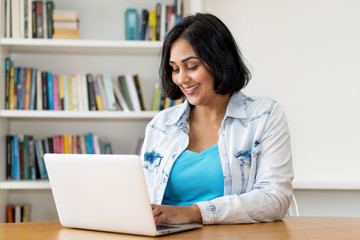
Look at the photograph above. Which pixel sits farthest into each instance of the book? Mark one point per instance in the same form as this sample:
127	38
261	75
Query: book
11	89
9	215
44	91
125	91
64	15
156	98
133	92
7	82
151	31
91	93
39	95
66	25
139	92
100	84
32	157
7	19
50	94
49	13
131	24
66	33
119	96
144	23
39	19
9	157
33	88
16	163
110	97
55	85
21	156
66	92
28	84
98	100
61	92
69	93
18	88
15	18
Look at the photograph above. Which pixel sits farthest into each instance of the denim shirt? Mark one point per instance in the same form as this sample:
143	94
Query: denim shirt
256	159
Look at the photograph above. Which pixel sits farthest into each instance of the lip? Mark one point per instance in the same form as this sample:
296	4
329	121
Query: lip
192	89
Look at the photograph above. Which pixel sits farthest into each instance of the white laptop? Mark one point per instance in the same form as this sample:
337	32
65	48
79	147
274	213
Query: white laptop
105	192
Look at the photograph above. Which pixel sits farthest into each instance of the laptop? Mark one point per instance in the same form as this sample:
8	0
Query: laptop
104	192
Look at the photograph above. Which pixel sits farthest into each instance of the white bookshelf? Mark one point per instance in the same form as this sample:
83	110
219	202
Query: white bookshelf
101	49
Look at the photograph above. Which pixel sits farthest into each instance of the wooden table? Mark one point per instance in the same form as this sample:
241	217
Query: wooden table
302	228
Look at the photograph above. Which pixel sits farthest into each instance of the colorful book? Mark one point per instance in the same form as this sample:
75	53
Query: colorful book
7	82
144	23
119	96
125	91
110	97
90	92
66	92
139	92
33	89
61	93
44	89
49	10
16	163
100	84
151	31
155	103
55	92
98	100
131	24
39	96
11	89
9	157
50	93
28	79
133	92
70	92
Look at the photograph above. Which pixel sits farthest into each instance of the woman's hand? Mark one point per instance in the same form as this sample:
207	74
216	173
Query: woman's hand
176	214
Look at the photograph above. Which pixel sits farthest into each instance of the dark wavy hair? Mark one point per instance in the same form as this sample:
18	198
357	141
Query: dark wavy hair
214	44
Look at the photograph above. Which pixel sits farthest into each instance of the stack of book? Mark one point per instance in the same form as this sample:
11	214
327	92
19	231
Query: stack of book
28	88
17	213
66	24
154	23
25	154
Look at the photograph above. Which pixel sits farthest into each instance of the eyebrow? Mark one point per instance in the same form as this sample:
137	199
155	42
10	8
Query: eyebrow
186	59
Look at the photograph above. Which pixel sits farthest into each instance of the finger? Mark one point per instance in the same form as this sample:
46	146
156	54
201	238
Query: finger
156	211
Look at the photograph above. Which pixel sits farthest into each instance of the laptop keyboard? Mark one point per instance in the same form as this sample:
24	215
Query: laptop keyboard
164	227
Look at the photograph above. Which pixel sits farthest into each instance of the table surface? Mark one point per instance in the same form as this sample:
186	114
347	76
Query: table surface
304	228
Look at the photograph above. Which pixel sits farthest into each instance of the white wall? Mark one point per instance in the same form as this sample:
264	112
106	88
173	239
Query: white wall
305	54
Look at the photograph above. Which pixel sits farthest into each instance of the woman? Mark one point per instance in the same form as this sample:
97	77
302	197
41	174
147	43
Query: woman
220	157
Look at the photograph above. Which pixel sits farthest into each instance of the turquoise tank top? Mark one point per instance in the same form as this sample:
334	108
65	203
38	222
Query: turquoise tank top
195	177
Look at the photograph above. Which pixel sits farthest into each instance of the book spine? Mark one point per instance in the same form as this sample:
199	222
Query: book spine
99	105
50	91
89	143
132	92
30	18
125	92
91	94
139	92
7	82
32	157
45	103
70	92
9	157
39	20
33	89
18	87
26	157
155	103
109	92
27	88
11	89
61	93
131	21
39	94
38	151
16	164
66	93
55	92
34	19
49	10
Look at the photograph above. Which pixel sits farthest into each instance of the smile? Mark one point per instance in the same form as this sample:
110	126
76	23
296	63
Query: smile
193	87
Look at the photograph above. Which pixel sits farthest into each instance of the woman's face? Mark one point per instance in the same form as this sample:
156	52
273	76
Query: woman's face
191	75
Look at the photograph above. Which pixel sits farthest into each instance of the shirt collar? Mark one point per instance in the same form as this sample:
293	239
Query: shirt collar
237	108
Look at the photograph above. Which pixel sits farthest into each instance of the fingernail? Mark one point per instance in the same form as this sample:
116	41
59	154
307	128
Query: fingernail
156	222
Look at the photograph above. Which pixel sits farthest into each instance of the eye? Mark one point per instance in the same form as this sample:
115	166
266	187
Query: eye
192	68
175	70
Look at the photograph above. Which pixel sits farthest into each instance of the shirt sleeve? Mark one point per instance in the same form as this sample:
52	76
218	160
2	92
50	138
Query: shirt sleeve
270	196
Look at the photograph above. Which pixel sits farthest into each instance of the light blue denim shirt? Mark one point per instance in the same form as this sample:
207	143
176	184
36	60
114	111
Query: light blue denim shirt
255	153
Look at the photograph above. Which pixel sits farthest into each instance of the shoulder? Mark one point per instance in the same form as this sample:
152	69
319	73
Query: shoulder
171	117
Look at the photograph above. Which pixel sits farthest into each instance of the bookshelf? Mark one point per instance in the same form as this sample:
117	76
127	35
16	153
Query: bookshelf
101	49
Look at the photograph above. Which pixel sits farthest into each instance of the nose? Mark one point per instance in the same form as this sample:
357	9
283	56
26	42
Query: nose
182	76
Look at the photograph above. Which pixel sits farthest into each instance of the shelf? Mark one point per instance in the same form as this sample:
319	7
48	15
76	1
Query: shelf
331	186
25	185
58	46
46	114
